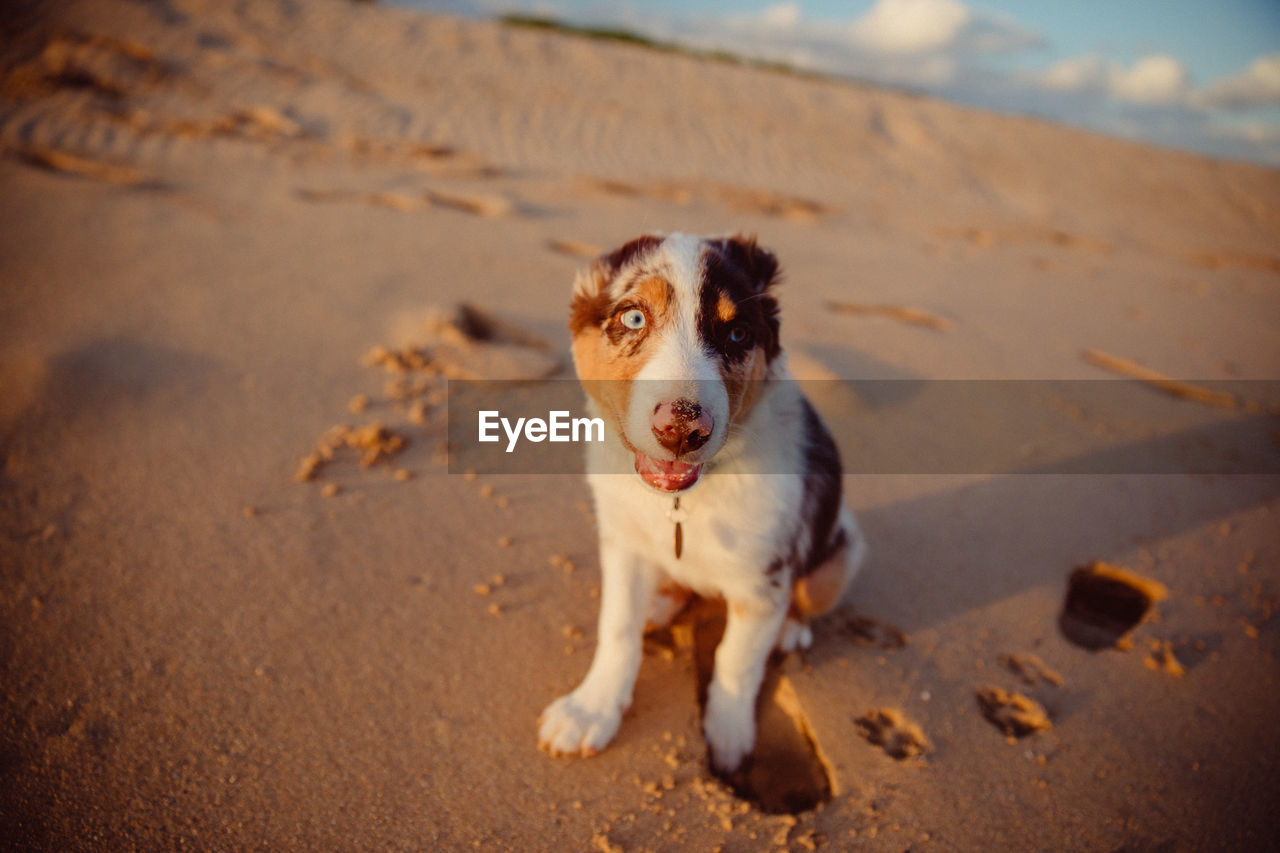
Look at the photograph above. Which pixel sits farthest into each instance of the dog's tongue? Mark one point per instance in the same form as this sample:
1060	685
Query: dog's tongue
667	476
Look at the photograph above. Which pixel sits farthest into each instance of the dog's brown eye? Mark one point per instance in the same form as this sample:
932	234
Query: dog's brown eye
739	334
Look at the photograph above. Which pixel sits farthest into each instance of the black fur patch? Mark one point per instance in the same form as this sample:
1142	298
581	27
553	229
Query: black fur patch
820	506
823	489
630	250
741	271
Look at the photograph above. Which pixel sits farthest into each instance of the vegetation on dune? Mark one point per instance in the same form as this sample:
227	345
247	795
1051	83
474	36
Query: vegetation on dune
538	22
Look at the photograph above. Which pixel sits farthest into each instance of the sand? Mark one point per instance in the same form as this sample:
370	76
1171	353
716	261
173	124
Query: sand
213	212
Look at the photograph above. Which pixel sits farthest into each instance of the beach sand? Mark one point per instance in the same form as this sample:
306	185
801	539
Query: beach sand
212	213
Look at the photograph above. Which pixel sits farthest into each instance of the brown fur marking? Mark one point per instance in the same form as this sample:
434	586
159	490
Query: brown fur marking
588	310
821	589
657	295
725	309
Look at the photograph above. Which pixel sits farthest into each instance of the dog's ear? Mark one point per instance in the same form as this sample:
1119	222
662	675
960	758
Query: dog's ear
758	264
589	306
630	250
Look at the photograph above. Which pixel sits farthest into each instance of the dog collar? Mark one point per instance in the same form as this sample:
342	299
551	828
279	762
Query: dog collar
677	515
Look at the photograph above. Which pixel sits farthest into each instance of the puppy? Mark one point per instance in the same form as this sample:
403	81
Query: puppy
715	477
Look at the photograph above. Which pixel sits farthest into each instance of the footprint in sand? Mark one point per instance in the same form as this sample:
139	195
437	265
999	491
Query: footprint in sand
772	204
259	123
486	205
575	248
62	162
887	728
1014	714
744	200
656	191
901	313
464	342
108	67
1177	387
1162	658
1104	604
477	204
866	631
113	69
1226	260
438	160
986	238
1030	670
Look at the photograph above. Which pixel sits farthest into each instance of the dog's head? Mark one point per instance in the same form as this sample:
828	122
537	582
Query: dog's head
672	336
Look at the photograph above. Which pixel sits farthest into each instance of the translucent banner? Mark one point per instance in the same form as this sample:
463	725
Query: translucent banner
906	426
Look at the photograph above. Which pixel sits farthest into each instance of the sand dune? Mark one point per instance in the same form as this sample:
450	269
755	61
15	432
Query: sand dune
212	213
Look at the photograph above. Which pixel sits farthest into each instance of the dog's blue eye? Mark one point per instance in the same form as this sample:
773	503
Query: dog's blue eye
739	334
633	319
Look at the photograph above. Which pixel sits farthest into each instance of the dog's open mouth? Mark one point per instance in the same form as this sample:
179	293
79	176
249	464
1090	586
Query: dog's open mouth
672	476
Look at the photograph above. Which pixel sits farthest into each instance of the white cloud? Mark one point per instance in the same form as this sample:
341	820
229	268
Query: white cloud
1157	79
1255	87
780	15
1153	80
911	26
1076	74
919	27
922	43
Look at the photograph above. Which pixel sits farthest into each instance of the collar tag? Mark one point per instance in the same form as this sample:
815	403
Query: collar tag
677	515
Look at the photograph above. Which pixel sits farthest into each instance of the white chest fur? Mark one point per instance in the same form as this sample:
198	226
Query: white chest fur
735	521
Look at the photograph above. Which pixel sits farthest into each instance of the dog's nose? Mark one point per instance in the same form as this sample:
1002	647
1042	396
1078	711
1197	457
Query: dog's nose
681	426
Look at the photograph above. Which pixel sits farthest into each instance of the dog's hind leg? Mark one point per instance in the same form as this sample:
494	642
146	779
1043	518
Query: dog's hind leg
822	589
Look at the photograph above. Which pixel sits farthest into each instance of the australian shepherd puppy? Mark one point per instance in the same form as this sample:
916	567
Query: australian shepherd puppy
716	477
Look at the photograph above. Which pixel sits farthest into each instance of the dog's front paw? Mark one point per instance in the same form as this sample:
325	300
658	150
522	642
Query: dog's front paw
730	729
570	725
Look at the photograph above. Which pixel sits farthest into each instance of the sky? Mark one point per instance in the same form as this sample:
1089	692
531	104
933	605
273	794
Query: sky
1202	75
